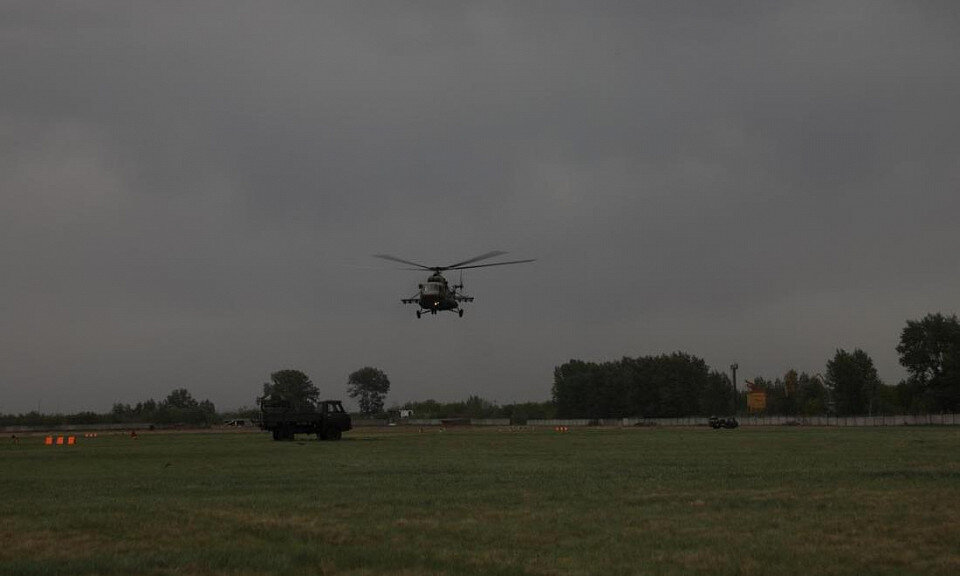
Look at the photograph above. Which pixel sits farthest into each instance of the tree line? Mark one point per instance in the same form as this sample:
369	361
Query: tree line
929	349
679	384
369	387
179	407
666	385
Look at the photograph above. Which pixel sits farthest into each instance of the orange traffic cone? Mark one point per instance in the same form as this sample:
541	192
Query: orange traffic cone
48	440
71	440
59	440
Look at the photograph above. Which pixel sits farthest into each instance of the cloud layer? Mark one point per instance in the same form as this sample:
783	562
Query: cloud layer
191	194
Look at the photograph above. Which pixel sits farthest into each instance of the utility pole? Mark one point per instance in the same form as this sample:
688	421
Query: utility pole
733	368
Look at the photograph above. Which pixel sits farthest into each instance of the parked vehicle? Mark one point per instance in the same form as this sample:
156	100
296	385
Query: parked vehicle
284	418
717	423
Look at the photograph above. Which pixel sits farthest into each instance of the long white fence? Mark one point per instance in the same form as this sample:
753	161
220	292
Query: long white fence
82	427
839	421
459	421
898	420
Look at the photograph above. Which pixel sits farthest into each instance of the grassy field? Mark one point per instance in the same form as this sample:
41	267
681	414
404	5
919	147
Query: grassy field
590	501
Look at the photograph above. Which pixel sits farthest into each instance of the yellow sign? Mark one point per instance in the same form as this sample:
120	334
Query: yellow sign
757	401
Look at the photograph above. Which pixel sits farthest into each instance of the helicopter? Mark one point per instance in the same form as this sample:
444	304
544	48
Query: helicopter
436	294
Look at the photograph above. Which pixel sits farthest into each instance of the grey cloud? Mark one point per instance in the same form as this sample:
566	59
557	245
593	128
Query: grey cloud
191	193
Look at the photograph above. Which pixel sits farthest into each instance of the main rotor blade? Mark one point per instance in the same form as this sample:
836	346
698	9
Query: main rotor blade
494	264
474	259
402	261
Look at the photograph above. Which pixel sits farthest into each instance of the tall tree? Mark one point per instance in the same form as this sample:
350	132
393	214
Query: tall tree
782	394
791	391
717	395
291	385
854	382
181	398
181	407
930	351
573	388
812	398
369	386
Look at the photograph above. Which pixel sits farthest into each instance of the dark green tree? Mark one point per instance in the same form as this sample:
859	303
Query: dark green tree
181	398
784	394
716	397
790	405
121	412
575	386
477	407
930	351
853	382
182	408
208	412
148	408
887	400
369	386
812	396
291	385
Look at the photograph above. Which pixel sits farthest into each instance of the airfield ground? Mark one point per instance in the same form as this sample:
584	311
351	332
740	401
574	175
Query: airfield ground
494	501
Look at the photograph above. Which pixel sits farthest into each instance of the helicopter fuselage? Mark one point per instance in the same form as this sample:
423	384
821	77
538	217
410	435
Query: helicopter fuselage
436	295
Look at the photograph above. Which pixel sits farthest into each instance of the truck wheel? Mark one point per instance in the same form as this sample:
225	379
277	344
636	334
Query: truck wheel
321	436
334	434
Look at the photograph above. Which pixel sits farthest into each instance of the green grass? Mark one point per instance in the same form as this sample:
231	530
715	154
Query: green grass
633	501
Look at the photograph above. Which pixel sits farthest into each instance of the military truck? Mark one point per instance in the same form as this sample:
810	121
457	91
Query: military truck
284	418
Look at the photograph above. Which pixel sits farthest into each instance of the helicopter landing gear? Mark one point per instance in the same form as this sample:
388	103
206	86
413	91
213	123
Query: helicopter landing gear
460	312
418	313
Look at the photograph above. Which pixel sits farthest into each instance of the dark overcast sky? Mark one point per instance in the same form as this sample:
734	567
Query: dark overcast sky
191	191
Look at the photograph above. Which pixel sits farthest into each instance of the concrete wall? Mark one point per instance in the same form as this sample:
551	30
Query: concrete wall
901	420
81	427
359	422
420	422
842	421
